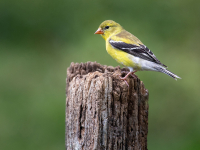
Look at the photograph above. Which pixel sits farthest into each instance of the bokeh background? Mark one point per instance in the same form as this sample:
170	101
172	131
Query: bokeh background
39	39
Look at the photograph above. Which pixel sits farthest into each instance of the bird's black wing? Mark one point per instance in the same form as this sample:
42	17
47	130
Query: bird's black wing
140	51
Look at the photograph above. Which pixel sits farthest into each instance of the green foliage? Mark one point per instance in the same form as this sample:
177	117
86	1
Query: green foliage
39	39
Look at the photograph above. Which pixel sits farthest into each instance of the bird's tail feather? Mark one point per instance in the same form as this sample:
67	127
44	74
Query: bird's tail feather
169	73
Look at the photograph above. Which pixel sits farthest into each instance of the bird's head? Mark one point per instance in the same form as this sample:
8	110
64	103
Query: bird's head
109	28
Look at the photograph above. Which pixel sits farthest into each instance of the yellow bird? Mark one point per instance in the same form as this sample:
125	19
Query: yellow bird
129	51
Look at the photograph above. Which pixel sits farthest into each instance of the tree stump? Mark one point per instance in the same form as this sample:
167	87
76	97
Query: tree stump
102	112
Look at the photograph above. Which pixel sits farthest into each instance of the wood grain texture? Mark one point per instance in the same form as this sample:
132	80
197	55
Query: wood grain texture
102	112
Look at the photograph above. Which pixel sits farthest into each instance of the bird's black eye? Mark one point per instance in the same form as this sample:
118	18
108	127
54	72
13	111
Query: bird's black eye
107	27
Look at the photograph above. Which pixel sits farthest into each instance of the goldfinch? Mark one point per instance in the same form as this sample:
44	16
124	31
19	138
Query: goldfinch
129	51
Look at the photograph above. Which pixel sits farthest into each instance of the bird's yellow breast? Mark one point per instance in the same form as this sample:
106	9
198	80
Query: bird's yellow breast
122	57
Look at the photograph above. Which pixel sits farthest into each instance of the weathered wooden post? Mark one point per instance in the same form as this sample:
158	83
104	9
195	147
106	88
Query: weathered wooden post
102	112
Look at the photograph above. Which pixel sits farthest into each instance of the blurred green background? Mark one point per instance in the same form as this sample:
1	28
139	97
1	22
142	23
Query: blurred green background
39	39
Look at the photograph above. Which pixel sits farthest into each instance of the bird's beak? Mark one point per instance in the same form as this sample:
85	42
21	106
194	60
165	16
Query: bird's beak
99	31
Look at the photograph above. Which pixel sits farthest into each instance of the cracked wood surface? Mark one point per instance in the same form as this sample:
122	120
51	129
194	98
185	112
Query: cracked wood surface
102	112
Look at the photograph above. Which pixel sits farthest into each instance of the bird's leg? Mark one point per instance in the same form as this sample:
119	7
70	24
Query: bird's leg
130	73
133	74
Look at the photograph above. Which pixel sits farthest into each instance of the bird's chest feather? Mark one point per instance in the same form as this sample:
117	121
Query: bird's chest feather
123	57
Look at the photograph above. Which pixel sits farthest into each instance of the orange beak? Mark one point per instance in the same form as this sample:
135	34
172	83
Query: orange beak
99	31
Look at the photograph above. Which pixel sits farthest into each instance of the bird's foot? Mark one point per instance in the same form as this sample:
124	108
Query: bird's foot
124	81
132	73
129	73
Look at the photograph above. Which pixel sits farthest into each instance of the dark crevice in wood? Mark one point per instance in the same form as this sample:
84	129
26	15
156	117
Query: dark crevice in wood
80	126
